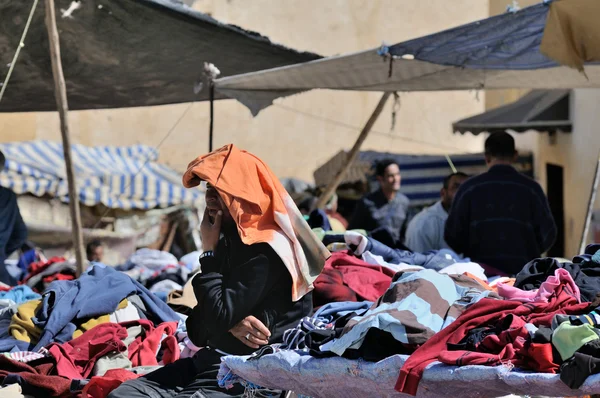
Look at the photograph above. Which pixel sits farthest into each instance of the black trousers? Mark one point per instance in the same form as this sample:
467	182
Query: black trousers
186	378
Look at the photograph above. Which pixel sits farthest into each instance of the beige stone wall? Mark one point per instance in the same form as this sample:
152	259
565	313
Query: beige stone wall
292	143
577	153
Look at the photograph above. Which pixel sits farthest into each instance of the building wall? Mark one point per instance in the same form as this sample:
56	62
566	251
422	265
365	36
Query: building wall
313	126
576	152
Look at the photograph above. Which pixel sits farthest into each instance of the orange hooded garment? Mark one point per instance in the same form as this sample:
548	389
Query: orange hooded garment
263	211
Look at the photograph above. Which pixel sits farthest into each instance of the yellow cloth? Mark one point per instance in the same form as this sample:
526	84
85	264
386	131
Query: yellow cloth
93	322
90	324
336	225
572	32
21	326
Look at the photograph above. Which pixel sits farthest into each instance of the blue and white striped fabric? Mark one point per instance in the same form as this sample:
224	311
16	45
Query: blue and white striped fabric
116	177
510	41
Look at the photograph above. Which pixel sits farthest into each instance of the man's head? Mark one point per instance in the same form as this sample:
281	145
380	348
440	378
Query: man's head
214	204
95	251
451	185
500	149
388	175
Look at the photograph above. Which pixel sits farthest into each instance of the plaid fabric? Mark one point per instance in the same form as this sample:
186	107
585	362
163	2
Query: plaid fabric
293	339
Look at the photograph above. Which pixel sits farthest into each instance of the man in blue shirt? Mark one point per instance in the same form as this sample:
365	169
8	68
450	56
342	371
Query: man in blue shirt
501	218
425	232
385	209
13	232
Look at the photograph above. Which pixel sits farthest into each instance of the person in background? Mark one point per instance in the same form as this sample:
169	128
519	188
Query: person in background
328	219
501	218
13	232
337	221
173	235
95	251
425	231
385	209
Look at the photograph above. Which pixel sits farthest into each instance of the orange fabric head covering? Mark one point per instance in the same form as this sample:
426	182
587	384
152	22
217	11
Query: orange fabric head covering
263	211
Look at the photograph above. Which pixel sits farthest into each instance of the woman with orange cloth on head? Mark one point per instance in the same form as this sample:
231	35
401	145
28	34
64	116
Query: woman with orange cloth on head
259	262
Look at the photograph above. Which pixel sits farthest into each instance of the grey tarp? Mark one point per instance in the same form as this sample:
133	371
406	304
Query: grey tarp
541	110
495	53
126	53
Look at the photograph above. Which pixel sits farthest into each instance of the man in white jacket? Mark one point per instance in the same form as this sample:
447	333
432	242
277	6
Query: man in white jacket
425	232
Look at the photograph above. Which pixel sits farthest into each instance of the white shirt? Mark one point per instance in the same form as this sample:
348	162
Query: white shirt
425	232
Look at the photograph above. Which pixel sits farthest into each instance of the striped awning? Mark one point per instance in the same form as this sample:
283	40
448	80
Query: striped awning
117	177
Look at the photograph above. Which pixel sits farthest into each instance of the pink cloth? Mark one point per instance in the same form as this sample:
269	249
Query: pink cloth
547	289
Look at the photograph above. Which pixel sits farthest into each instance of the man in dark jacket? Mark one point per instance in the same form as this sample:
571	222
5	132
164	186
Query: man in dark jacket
244	295
13	232
500	218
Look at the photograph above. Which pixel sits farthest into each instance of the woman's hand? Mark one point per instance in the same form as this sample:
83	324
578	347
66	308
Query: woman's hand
251	332
210	232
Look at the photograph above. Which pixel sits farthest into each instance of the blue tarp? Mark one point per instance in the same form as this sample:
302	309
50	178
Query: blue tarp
510	41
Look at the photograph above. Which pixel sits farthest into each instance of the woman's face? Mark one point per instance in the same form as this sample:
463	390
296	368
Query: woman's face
214	204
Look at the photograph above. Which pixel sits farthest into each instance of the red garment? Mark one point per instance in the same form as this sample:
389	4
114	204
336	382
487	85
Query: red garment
4	288
485	312
75	359
142	351
513	344
39	266
100	387
347	278
62	276
36	377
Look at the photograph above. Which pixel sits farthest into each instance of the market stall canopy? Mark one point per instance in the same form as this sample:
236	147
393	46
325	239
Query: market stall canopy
495	53
117	177
422	175
126	53
540	110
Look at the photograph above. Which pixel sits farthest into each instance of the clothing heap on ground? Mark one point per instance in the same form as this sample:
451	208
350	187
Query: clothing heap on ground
84	337
61	336
374	303
160	271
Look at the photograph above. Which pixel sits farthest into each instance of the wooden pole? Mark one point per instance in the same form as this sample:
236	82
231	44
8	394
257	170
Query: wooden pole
331	188
212	114
588	215
60	93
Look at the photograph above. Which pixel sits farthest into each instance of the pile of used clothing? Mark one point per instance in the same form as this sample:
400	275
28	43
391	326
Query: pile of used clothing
362	268
375	302
61	335
85	336
159	271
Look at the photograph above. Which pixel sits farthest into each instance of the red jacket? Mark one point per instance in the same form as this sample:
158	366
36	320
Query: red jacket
485	312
